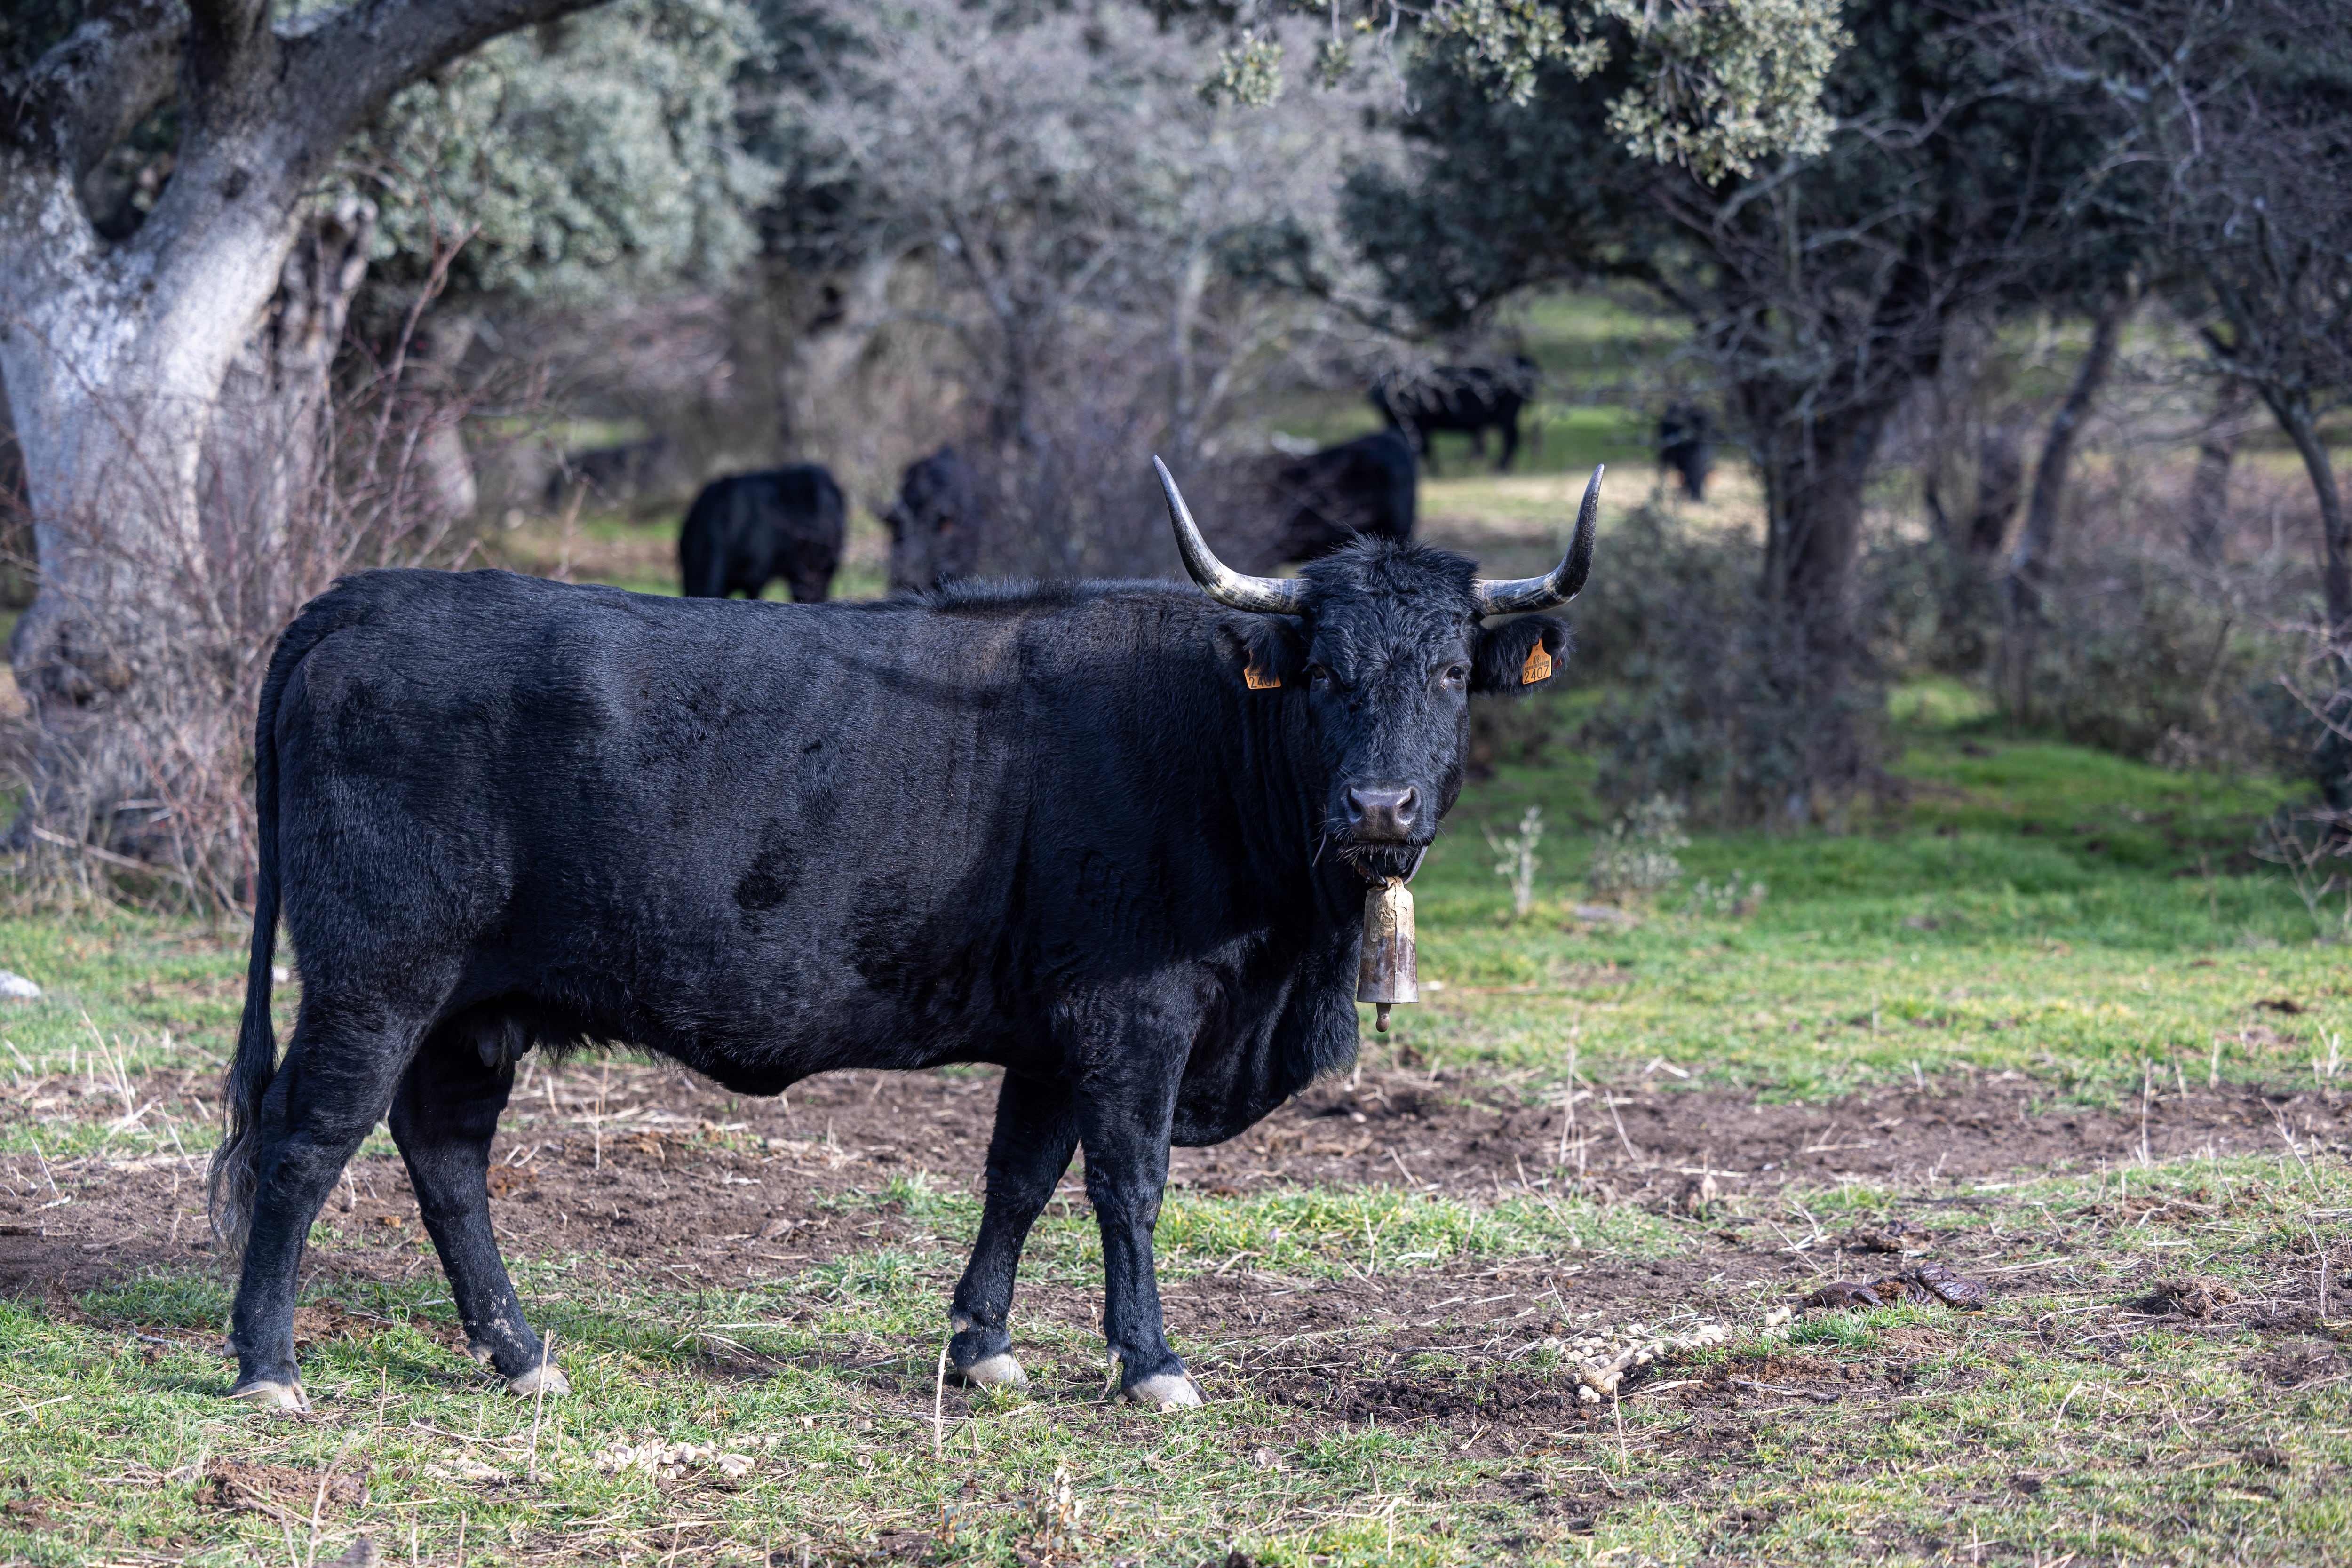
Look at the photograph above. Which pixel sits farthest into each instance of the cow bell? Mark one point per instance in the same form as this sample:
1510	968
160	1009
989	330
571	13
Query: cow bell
1385	972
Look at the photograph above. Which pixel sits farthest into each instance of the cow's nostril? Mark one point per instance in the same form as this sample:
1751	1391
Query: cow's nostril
1377	813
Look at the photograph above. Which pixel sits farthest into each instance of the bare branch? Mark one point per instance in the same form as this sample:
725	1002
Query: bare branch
85	94
343	67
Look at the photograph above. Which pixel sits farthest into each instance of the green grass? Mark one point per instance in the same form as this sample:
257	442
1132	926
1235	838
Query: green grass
2022	908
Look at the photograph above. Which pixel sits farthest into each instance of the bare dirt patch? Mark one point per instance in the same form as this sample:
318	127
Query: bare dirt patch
634	1170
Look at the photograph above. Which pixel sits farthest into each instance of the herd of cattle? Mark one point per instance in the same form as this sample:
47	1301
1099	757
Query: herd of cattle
790	524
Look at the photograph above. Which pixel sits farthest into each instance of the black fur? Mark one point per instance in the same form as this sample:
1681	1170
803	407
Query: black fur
938	524
1049	828
1686	445
1366	487
744	532
1471	399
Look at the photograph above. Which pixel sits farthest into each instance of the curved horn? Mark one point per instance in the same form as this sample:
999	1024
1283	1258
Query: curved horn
1272	595
1563	582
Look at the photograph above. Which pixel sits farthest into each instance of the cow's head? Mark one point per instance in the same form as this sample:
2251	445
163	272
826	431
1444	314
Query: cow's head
1386	644
934	524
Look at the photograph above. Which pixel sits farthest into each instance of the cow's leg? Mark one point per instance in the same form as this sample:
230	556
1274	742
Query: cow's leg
332	1087
1124	1110
1036	1132
1510	445
443	1117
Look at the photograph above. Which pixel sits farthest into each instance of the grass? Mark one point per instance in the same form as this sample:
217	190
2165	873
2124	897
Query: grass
2028	908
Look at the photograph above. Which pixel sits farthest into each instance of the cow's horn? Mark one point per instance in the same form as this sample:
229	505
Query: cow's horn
1276	595
1563	582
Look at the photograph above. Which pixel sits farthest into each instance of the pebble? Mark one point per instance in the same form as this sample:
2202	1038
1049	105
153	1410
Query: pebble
669	1458
18	987
1605	1357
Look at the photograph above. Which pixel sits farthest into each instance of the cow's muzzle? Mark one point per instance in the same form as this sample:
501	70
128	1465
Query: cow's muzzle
1382	813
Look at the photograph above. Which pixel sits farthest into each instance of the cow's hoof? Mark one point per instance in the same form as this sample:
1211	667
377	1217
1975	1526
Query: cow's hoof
999	1370
265	1395
1169	1390
547	1379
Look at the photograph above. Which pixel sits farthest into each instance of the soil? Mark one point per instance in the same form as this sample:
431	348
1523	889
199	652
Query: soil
632	1172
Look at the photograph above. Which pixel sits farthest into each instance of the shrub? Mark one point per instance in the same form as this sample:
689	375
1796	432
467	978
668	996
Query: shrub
1706	684
1635	858
1515	859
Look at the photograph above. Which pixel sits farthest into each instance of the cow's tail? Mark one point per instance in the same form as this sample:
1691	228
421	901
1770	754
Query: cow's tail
232	1181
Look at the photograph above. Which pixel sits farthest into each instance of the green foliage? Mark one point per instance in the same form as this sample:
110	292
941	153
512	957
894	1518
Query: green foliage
1714	88
1248	74
1636	859
594	154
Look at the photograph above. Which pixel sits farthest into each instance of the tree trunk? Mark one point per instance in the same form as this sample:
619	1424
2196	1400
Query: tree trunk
2037	542
2301	422
2029	563
112	369
1814	470
265	454
2208	488
117	348
1184	409
2001	491
166	442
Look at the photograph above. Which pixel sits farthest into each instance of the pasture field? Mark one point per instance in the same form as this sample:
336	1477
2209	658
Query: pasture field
2043	1010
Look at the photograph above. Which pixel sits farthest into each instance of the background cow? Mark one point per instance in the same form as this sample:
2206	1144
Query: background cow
1686	445
1113	837
1368	487
745	532
1466	397
615	474
938	524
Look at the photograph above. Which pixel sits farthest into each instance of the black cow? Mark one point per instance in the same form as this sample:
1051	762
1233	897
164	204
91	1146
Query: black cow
1472	398
1326	498
937	524
744	532
1114	838
1686	445
614	473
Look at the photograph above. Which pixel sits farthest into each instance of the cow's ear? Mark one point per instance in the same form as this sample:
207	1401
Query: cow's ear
1267	652
1522	654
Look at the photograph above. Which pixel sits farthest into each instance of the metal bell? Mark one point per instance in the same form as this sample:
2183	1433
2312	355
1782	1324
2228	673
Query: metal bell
1386	973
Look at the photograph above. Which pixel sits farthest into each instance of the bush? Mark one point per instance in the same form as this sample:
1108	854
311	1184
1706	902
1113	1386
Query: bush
1706	689
1636	856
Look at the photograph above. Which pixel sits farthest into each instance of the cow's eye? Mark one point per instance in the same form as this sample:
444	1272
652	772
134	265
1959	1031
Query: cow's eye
1319	678
1456	674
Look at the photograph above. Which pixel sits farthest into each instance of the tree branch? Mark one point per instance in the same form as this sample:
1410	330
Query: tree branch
85	94
343	67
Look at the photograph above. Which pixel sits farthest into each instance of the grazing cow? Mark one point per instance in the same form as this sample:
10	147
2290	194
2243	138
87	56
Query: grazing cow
748	530
1326	498
1114	838
1686	445
614	473
937	524
1472	398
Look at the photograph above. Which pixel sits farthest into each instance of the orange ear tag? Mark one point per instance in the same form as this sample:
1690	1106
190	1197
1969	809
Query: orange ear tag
1260	681
1539	664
